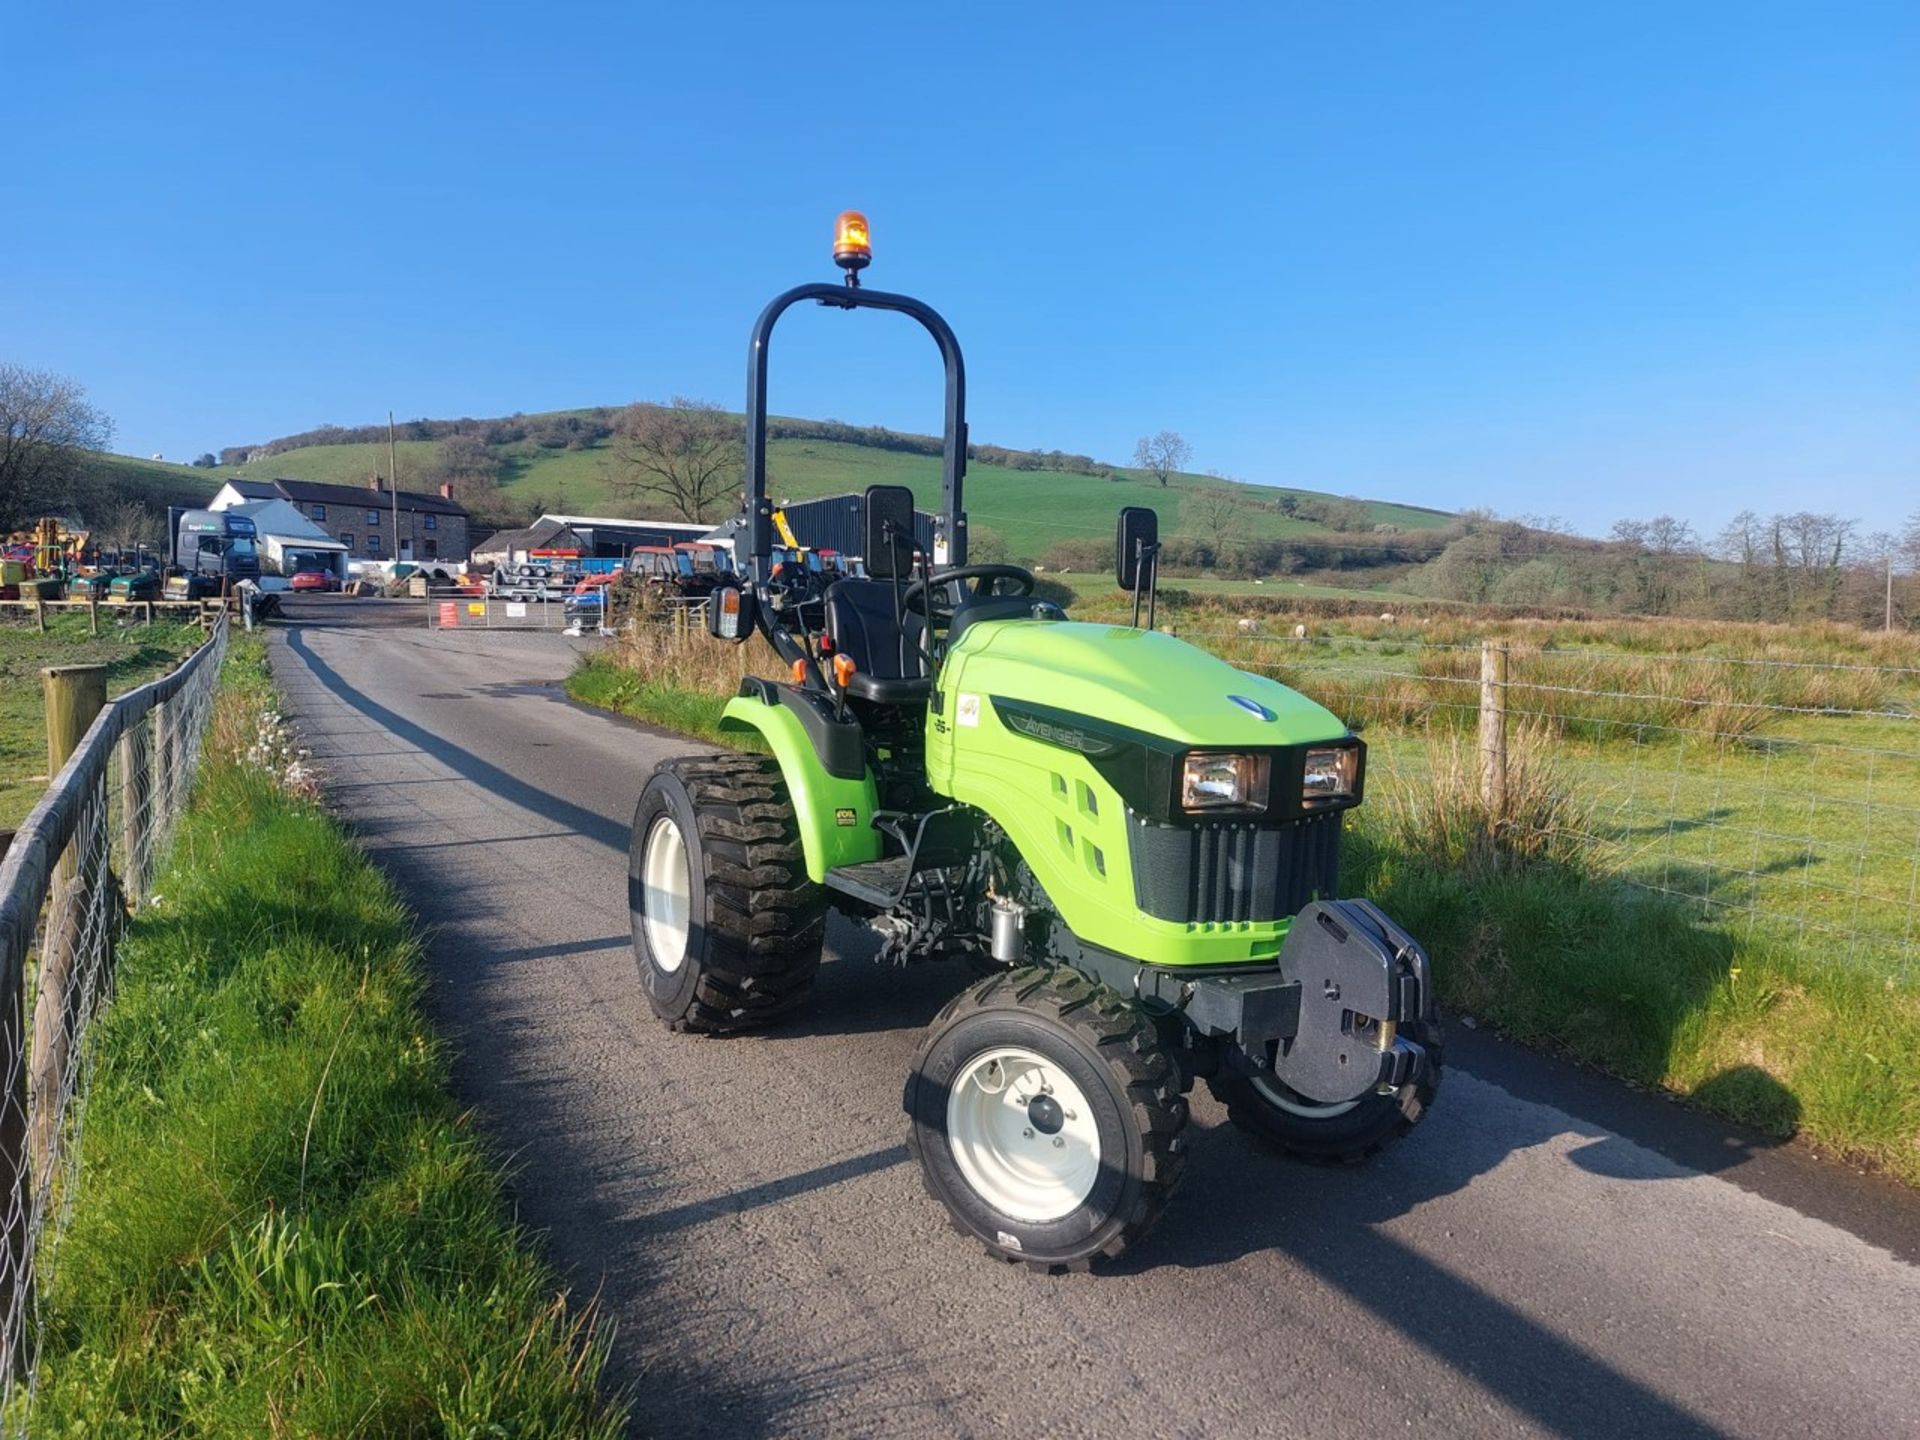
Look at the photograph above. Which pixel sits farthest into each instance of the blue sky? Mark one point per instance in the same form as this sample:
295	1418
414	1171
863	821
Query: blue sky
1583	260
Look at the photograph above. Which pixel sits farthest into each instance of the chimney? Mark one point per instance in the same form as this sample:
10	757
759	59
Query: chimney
446	489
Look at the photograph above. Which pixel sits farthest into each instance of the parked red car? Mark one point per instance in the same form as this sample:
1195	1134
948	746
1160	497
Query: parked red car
314	580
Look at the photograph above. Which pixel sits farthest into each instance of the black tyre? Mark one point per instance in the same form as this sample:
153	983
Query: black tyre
726	925
1047	1118
1330	1134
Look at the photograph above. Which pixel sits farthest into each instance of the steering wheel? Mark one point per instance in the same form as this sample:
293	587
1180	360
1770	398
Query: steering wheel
917	598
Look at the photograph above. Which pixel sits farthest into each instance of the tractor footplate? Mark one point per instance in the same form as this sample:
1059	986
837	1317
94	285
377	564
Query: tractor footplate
879	883
936	841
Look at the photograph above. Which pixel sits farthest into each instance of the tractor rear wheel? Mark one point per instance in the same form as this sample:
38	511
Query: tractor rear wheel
1342	1134
1047	1118
726	925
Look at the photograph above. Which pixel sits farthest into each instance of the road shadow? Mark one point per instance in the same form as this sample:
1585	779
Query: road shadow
491	778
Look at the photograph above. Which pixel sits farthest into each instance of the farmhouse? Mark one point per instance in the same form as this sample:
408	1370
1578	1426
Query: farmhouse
431	527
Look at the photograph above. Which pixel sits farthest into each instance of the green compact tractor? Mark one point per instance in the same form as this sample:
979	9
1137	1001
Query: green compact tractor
1136	845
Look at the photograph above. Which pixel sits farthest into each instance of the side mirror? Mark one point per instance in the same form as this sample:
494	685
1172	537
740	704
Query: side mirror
730	613
888	531
1137	533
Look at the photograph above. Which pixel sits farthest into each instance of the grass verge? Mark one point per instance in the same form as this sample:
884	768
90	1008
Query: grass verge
284	1225
600	681
1535	937
1560	955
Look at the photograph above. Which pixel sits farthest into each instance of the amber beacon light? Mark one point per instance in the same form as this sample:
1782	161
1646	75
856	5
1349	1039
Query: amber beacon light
852	246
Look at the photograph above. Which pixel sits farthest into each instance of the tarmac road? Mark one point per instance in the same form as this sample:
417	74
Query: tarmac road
1549	1254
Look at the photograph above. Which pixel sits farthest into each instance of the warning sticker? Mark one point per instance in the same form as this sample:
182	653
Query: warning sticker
967	710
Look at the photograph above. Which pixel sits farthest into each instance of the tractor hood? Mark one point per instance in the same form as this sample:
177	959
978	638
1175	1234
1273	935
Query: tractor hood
1140	679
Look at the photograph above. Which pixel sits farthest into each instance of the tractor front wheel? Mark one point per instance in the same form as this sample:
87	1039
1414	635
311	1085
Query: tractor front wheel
1047	1118
726	925
1342	1134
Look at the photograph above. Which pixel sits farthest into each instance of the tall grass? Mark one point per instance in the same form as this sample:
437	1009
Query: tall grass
1590	694
1439	809
284	1225
662	670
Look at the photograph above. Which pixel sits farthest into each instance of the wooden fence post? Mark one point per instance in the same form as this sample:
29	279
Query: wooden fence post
75	694
136	798
1493	729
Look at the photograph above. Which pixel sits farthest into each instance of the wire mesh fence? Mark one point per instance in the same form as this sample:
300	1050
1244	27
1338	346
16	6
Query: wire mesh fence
79	863
1778	795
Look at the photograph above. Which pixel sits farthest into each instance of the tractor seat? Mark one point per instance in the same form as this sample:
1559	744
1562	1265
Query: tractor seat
860	622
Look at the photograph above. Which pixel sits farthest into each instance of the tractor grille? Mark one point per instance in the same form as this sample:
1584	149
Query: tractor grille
1206	874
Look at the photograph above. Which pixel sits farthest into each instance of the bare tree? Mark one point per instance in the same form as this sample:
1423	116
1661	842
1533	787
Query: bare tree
685	456
1662	553
1808	550
45	426
1214	513
126	523
1162	454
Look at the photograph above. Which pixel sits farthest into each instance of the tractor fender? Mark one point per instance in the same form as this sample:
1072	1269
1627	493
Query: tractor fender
835	815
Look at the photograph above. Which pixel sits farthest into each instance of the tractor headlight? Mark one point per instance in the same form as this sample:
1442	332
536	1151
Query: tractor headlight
1224	782
1332	773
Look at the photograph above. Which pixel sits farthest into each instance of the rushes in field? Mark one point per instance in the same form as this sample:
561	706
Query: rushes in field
1437	809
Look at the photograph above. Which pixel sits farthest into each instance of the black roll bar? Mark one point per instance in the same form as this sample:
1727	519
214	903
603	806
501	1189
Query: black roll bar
953	461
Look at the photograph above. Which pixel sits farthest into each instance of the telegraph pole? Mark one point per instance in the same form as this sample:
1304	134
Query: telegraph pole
393	479
1889	592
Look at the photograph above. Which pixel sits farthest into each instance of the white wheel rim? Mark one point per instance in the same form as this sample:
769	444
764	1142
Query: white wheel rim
665	894
1281	1098
1022	1134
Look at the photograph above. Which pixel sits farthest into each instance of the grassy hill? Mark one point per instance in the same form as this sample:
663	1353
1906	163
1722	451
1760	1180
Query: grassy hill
1029	509
102	485
155	483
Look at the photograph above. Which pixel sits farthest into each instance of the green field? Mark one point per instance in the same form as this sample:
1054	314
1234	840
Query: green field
1738	782
133	655
157	482
1029	509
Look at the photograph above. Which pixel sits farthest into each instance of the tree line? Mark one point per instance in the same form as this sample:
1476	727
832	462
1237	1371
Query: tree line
583	429
1798	565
